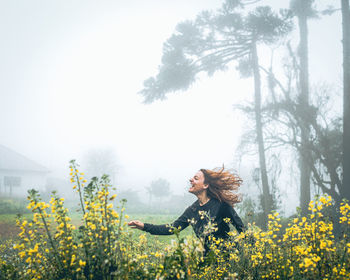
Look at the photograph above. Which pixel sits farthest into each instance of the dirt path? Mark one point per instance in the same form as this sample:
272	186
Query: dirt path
8	231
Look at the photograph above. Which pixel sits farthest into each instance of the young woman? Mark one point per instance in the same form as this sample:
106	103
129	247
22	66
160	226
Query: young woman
213	189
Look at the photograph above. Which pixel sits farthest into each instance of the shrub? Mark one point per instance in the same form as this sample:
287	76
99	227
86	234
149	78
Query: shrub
51	247
12	206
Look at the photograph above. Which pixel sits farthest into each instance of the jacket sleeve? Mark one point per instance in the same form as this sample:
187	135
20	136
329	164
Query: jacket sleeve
166	229
235	219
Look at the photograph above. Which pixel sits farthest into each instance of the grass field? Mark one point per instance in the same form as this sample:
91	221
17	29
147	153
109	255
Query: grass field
9	229
159	219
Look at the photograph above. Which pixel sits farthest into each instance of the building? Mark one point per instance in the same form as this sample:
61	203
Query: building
18	174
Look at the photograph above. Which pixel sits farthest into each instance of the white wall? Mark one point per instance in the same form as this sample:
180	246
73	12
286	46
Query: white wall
29	180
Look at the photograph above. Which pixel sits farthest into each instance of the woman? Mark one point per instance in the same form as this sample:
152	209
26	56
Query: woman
213	189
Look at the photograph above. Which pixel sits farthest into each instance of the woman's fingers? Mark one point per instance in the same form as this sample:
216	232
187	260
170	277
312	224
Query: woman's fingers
136	224
133	223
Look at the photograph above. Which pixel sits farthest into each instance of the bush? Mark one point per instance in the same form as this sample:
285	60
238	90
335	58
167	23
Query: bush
51	247
13	206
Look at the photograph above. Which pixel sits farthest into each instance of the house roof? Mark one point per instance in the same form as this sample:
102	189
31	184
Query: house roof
11	160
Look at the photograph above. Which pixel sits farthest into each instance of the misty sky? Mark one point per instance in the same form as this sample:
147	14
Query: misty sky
70	72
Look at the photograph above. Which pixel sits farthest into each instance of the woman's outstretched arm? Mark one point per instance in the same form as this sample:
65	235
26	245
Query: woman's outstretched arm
166	229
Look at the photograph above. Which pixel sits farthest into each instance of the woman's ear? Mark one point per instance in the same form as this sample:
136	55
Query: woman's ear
206	186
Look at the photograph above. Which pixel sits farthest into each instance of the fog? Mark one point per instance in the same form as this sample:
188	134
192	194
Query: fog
70	72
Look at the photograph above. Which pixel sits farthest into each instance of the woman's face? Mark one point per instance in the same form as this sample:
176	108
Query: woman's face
197	183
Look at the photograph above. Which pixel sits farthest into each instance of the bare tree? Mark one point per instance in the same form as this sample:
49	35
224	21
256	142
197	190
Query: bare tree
159	188
101	161
303	10
346	96
287	115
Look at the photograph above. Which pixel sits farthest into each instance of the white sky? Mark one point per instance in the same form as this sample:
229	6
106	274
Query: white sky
70	72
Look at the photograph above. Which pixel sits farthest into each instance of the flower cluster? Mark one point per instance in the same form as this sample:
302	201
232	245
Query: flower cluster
50	246
306	249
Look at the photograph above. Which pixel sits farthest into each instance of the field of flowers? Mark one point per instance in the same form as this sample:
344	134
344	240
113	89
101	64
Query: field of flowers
49	246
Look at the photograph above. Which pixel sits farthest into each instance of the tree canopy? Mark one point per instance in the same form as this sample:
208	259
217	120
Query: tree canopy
210	42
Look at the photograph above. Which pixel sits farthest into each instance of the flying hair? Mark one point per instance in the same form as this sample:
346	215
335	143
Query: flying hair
223	185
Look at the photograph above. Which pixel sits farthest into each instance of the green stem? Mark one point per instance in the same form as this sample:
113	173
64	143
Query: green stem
79	190
50	239
107	226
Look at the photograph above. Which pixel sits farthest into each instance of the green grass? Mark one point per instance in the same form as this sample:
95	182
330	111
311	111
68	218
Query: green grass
11	218
159	219
8	228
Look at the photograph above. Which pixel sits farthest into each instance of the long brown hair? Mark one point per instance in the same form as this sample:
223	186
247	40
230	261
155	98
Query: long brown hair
222	183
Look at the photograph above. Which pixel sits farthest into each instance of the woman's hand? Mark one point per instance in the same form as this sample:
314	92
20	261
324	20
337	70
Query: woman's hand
136	224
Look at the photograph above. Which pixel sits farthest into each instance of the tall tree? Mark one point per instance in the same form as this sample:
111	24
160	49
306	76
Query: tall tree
286	116
209	44
303	10
159	188
346	98
101	161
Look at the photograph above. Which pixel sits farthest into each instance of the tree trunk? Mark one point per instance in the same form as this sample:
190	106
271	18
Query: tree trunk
346	100
305	171
267	198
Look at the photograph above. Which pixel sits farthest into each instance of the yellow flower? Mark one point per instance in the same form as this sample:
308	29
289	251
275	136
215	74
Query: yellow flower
308	262
92	226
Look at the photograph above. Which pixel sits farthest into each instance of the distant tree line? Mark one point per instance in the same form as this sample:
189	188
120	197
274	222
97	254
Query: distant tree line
160	199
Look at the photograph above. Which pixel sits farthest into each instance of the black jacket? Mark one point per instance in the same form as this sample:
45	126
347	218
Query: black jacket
217	212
